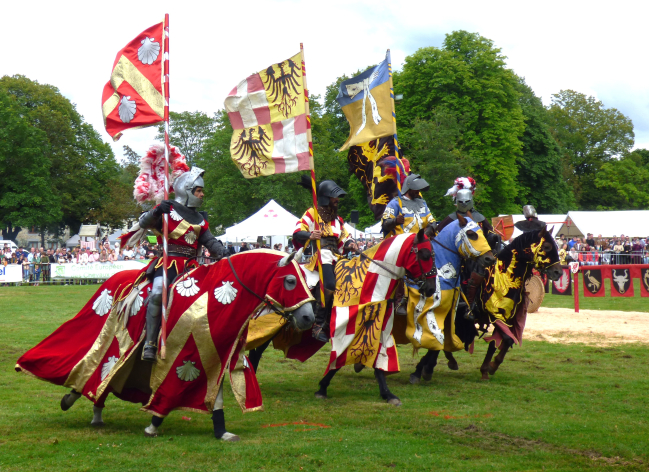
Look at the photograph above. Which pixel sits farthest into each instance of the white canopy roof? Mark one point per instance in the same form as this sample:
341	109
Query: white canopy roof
634	223
374	230
271	220
350	230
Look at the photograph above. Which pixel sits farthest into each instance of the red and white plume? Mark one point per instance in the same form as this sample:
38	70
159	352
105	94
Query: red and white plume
149	185
459	184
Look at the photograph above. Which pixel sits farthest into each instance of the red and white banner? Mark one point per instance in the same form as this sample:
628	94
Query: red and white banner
563	286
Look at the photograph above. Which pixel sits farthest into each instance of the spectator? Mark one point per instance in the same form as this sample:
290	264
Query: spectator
244	247
636	251
230	248
84	257
572	242
103	257
120	256
572	256
590	241
94	256
37	268
618	249
45	266
563	252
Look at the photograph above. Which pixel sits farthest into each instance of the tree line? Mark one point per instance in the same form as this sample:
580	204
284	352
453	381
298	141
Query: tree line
463	113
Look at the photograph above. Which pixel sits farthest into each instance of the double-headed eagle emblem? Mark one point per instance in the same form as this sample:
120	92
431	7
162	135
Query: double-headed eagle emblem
284	88
251	150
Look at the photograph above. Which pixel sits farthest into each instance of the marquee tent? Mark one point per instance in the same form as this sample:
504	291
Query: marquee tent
607	223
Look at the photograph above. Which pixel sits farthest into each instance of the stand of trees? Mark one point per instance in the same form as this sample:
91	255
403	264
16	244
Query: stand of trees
463	113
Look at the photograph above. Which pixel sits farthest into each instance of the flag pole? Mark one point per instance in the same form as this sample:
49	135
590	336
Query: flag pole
397	150
313	186
165	221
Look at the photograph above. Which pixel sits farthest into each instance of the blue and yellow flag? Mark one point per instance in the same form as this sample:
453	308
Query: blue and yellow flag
367	105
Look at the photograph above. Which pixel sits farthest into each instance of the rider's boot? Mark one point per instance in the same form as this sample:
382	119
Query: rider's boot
150	350
322	317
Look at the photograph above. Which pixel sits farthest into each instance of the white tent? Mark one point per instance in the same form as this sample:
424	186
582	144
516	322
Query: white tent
272	220
374	231
607	223
355	233
554	222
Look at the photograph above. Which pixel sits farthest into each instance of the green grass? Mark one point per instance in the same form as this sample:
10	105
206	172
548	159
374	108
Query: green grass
636	303
550	406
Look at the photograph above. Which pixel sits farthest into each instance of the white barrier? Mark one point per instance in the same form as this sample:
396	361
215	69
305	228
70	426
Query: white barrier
96	270
11	273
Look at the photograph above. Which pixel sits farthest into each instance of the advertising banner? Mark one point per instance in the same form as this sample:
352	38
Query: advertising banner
97	270
11	273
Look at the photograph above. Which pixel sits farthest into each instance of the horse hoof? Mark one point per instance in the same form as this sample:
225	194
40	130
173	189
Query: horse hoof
64	405
358	367
151	431
485	376
426	375
453	365
414	379
320	396
97	424
394	401
229	437
493	367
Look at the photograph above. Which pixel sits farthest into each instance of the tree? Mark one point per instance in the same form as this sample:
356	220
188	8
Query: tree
589	135
189	132
80	162
27	197
468	77
623	184
540	179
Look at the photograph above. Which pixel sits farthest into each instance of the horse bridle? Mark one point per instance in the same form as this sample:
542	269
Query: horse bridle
413	250
267	303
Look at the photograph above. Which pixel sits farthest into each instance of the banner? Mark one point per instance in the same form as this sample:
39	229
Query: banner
11	273
563	286
621	283
97	270
644	282
593	283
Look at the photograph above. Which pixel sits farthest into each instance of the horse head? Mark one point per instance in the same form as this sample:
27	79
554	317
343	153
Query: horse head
288	292
546	254
471	243
420	264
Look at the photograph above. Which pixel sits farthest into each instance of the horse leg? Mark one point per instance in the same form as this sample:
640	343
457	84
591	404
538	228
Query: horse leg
324	383
431	362
452	363
415	377
151	431
218	420
255	354
385	392
506	344
484	368
68	399
98	409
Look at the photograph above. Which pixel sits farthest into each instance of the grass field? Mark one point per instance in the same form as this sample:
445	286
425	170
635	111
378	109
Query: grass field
636	303
550	406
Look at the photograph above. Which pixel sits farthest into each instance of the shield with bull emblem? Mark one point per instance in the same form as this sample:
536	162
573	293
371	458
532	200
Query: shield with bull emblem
621	284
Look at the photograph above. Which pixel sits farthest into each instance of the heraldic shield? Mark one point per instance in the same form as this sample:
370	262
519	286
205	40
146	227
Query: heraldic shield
621	283
563	286
593	283
644	282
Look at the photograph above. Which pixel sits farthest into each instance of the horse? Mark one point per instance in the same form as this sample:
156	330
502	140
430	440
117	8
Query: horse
502	300
362	317
99	350
430	322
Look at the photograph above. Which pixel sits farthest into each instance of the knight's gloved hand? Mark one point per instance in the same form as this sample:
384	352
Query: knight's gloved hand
400	219
164	207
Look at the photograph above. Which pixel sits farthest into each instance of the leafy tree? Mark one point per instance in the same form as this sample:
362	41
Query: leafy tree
468	77
189	132
589	135
540	168
623	184
80	162
27	197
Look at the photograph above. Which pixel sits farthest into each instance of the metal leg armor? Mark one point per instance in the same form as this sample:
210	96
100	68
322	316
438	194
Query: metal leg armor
153	321
322	317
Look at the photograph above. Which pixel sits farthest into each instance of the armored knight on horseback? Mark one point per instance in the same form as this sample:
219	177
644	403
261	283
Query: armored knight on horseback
188	233
333	237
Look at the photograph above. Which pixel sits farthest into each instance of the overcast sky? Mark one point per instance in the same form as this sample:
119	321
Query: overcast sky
592	47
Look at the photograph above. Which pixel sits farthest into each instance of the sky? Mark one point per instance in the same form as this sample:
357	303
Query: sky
592	47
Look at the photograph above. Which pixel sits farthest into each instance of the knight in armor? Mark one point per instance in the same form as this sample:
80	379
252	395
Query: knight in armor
408	213
334	240
531	221
188	233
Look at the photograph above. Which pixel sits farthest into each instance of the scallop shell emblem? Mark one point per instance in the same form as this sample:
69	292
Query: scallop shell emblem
103	303
137	304
187	371
190	237
226	293
108	366
149	51
126	109
175	216
187	287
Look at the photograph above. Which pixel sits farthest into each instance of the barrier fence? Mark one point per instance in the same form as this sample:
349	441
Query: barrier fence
17	273
611	257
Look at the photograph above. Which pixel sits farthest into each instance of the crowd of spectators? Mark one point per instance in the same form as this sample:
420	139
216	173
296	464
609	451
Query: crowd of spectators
620	250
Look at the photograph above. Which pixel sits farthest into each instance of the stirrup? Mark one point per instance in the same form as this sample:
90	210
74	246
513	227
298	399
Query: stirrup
150	353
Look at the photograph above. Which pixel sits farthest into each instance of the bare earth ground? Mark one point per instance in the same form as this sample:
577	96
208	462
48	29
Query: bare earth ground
563	325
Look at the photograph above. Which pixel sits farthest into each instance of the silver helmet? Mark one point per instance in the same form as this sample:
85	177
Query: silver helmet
529	212
414	182
464	200
184	187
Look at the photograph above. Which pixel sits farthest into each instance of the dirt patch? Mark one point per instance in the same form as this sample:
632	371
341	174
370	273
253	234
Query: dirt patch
563	325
